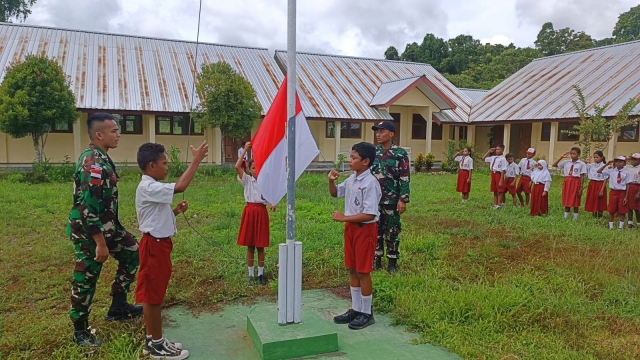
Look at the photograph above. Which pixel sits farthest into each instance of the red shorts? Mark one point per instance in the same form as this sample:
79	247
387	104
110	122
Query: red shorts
360	246
633	202
615	202
462	185
495	182
508	187
524	184
155	269
570	195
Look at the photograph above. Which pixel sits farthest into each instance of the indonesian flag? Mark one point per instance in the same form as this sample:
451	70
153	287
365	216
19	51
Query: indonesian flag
269	147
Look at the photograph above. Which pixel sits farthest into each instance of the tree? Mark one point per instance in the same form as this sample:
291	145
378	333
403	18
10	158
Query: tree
554	42
227	101
597	129
411	53
15	9
628	26
35	98
391	53
463	52
433	51
604	42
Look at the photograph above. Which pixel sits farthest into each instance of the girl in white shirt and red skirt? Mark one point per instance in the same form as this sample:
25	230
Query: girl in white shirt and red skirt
254	226
596	202
540	184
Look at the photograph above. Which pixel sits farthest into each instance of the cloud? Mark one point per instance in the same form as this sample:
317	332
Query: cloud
498	39
595	17
92	15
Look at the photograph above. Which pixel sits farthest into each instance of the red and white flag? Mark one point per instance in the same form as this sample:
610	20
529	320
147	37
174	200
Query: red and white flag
269	147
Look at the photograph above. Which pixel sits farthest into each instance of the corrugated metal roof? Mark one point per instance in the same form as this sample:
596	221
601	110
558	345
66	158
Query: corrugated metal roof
118	72
340	87
543	89
474	94
391	91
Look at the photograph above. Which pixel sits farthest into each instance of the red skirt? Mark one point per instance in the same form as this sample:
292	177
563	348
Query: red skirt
524	184
594	202
508	187
632	202
254	226
463	186
495	182
539	203
570	194
615	202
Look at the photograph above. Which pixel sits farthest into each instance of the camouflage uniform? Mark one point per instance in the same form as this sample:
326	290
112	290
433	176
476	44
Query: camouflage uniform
391	167
95	210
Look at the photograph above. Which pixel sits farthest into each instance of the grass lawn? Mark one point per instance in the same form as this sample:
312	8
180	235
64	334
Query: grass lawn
484	284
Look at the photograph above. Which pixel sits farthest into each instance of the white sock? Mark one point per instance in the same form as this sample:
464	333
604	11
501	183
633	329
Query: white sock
630	222
575	216
250	270
158	341
260	270
366	304
566	215
610	224
621	226
356	298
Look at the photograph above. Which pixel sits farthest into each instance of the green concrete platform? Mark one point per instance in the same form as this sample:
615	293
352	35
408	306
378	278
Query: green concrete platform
223	335
273	341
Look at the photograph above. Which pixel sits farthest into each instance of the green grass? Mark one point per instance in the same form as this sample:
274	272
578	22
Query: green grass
484	284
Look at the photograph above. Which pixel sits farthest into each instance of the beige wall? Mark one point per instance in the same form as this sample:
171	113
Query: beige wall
482	139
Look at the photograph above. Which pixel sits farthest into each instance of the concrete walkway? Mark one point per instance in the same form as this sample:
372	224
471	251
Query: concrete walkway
223	335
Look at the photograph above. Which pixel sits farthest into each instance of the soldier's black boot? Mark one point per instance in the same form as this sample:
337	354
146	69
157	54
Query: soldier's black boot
377	264
82	336
391	268
121	310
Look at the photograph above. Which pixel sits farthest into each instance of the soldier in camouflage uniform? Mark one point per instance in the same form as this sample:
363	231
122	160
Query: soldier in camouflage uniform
96	232
391	167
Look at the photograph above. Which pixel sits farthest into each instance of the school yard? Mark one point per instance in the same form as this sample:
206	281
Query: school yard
484	284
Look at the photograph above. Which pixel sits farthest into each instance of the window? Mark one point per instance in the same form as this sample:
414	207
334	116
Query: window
176	125
567	126
350	130
436	131
418	127
628	133
62	128
462	132
129	124
545	134
331	129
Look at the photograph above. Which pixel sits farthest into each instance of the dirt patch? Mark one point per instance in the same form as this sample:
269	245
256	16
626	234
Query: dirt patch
343	292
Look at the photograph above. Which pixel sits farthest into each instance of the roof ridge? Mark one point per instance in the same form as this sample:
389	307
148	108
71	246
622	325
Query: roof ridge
356	57
588	50
127	35
468	89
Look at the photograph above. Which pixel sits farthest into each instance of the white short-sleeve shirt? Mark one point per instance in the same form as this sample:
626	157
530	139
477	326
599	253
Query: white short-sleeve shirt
497	163
579	168
616	175
634	171
526	166
240	151
252	192
593	174
466	162
513	170
361	195
153	208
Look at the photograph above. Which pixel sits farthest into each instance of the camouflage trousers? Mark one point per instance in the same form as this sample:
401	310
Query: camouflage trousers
124	248
389	228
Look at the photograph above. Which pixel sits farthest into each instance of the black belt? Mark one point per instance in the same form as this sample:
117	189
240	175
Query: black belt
497	172
157	238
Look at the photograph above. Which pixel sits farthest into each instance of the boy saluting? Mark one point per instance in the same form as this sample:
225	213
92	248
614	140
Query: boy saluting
362	194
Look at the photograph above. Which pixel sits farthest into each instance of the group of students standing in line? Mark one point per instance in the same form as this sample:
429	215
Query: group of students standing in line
534	180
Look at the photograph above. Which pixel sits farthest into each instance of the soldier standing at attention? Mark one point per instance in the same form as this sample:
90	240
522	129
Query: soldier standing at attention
96	232
391	168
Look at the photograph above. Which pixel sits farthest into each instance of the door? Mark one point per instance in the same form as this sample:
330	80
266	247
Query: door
498	135
524	139
231	147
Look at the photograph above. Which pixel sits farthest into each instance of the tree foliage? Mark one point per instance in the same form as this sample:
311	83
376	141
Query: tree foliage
35	98
227	101
554	42
628	26
391	53
15	9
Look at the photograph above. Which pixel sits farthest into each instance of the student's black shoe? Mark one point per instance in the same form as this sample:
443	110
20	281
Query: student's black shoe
123	312
391	268
347	317
362	321
166	350
148	341
631	226
261	280
85	338
251	280
377	263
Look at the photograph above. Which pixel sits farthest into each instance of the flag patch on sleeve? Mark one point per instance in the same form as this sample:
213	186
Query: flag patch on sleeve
96	175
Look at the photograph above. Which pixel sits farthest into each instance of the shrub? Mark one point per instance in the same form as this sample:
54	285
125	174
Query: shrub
16	177
341	159
539	157
176	165
429	160
420	162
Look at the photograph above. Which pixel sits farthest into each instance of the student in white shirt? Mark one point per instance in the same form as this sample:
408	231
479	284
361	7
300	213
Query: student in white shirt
254	225
596	201
619	194
511	177
498	168
575	171
244	155
157	222
524	185
465	161
634	188
540	184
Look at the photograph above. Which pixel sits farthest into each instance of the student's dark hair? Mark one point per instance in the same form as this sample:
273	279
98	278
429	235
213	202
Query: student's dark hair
601	154
242	144
366	151
468	149
251	161
509	155
501	146
576	149
149	153
96	118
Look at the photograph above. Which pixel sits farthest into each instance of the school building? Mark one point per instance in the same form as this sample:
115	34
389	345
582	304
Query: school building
148	83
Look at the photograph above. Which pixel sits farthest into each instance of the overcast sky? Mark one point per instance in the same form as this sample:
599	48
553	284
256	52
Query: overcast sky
344	27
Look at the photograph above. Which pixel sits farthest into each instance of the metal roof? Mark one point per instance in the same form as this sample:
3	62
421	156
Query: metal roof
390	92
474	94
119	72
340	87
543	89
